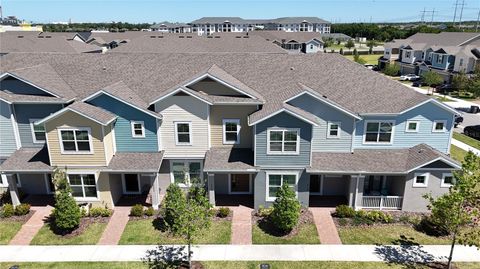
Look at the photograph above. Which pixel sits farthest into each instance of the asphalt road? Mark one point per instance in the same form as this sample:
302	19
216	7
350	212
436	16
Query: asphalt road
468	119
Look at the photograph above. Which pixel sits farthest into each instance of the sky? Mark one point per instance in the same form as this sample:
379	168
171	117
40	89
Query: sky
136	11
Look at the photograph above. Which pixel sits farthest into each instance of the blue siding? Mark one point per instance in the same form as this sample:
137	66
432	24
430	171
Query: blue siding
123	130
16	86
25	112
283	120
325	114
448	61
7	136
425	114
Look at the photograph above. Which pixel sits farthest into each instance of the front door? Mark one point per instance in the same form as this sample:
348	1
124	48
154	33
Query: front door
131	184
240	184
316	184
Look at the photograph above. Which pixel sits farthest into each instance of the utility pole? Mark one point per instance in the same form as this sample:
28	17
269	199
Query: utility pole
433	14
455	13
461	13
478	19
422	20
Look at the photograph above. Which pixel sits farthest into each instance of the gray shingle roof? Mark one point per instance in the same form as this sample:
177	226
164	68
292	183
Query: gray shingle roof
122	91
300	37
27	160
216	20
27	98
228	160
100	115
136	162
43	43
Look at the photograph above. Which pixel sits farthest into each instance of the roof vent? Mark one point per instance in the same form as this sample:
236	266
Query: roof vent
20	36
104	68
238	36
217	36
40	36
160	36
181	36
246	36
189	36
292	68
209	36
153	36
48	36
324	96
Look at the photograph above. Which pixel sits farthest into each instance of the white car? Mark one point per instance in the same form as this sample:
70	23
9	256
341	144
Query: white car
410	77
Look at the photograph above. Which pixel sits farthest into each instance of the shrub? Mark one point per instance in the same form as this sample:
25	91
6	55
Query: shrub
360	219
67	213
343	222
264	212
392	70
223	212
175	203
428	226
344	211
149	211
286	209
8	210
136	210
100	212
22	209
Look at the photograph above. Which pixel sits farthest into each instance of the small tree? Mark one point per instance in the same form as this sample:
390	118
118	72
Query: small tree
175	203
460	81
350	44
391	70
432	79
286	209
370	44
460	207
67	213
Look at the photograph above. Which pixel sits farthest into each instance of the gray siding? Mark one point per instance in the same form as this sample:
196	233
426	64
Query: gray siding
33	183
19	87
7	136
283	120
413	198
221	183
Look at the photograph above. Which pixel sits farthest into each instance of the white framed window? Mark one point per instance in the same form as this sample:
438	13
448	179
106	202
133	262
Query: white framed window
461	62
439	58
186	172
75	140
447	180
84	186
412	126
183	133
138	129
407	54
421	180
439	126
231	131
283	141
38	131
378	132
276	180
333	130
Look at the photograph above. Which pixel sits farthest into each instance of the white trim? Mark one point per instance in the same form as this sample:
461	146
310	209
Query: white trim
180	90
434	101
159	137
81	173
443	184
354	134
280	111
434	160
255	145
421	185
27	82
417	126
186	164
76	152
104	146
378	143
34	138
450	137
3	181
47	184
237	122
435	125
283	152
281	173
16	132
339	129
208	128
132	128
124	185
66	109
250	188
175	123
114	140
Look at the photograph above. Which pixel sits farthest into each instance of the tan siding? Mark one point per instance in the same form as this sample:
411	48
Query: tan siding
105	195
183	108
70	119
108	142
218	113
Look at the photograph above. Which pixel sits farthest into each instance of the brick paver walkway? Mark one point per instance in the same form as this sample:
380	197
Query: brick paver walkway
32	226
241	225
115	226
327	231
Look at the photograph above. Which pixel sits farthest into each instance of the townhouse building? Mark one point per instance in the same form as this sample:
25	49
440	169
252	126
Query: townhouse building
130	124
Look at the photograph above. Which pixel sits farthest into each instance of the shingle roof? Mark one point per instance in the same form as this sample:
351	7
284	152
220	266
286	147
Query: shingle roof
122	91
215	20
43	43
102	116
287	20
228	160
27	160
136	162
300	37
27	98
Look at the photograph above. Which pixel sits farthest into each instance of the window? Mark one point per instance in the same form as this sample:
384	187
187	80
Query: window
138	128
333	130
231	131
447	180
379	132
283	141
38	131
461	62
182	133
75	140
439	126
83	185
412	126
420	180
407	54
276	181
311	46
186	172
439	58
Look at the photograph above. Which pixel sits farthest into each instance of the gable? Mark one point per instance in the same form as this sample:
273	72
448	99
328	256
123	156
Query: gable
439	164
16	86
212	87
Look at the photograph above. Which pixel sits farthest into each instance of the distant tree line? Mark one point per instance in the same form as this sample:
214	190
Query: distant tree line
86	27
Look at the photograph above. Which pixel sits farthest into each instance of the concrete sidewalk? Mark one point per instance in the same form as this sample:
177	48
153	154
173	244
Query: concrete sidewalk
242	253
465	147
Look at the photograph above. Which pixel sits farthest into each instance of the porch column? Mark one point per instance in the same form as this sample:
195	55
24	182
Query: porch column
211	188
155	192
355	191
12	187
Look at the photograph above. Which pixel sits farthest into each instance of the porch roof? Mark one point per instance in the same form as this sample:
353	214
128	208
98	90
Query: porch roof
27	160
229	160
376	161
146	162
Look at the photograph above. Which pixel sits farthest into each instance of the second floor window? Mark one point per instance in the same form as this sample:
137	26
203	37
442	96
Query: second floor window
333	130
231	131
38	131
283	141
439	126
407	54
75	140
439	59
138	129
183	133
379	132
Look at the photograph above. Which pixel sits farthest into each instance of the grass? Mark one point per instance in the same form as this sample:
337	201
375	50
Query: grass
467	140
147	232
227	264
307	234
8	230
443	99
386	235
457	153
370	58
90	236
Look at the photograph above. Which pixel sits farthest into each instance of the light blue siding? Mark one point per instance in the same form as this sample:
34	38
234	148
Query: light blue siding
325	114
283	120
16	86
123	129
447	62
25	112
425	114
7	136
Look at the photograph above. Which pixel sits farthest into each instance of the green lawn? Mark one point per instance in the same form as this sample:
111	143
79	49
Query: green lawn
467	140
8	230
457	153
89	237
307	234
370	58
444	99
386	235
144	232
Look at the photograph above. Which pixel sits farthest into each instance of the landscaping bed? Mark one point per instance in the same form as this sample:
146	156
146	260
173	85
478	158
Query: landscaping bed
264	232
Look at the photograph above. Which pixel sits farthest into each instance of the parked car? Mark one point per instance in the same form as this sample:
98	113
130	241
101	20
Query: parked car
444	88
410	77
369	66
458	120
472	131
418	83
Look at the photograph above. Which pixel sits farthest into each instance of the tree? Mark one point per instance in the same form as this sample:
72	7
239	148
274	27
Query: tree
370	44
460	207
432	79
391	70
473	85
286	209
175	203
350	44
67	213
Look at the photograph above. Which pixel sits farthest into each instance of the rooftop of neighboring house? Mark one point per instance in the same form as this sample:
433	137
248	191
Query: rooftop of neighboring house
420	41
107	37
169	25
238	20
282	36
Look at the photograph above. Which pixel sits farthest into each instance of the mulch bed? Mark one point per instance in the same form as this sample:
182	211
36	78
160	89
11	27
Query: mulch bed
267	226
84	224
23	218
